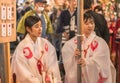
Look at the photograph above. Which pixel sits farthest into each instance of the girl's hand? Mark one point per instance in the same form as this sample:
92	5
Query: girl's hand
76	52
82	62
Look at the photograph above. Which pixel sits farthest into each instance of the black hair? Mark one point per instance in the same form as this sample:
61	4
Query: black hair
27	2
30	21
88	4
26	10
87	17
42	1
98	8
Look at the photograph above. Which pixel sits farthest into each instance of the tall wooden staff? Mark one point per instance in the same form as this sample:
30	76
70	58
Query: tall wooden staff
79	38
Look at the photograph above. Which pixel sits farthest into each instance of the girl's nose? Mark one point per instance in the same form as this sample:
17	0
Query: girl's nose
40	28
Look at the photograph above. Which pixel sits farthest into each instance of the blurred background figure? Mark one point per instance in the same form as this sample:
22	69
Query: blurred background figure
26	8
55	20
68	21
117	41
66	4
49	28
98	9
37	10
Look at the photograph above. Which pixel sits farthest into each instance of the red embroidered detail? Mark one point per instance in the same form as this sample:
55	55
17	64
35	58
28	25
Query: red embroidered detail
94	45
101	79
46	47
40	65
75	41
27	52
85	51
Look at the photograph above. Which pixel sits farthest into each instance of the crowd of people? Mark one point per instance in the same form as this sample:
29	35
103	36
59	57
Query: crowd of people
47	44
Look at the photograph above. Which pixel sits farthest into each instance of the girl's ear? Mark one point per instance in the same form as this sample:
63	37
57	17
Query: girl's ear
28	29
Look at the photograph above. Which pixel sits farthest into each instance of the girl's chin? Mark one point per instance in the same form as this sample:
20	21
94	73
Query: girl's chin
39	35
87	34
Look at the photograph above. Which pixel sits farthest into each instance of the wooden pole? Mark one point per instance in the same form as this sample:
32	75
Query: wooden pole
8	75
2	64
79	38
7	34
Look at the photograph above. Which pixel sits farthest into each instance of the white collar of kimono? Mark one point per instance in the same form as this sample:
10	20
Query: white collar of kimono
28	37
36	45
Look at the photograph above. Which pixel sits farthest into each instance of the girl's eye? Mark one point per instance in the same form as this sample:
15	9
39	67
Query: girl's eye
37	27
87	23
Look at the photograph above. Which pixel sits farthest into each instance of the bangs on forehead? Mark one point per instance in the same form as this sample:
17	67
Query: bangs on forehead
91	20
88	18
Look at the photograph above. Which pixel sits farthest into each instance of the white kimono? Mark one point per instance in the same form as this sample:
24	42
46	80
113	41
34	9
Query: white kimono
25	60
98	69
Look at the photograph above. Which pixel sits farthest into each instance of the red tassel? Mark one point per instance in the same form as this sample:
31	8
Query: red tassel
39	66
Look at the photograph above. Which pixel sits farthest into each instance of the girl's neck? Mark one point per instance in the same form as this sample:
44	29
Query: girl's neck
33	38
87	35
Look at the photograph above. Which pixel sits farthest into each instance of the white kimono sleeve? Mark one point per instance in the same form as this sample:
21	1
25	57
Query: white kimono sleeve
52	63
69	62
98	66
21	68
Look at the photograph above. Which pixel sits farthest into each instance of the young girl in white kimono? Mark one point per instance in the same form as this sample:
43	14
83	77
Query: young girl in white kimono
35	59
95	57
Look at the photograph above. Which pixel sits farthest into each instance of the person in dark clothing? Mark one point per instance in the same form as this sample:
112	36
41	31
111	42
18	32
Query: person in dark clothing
101	27
65	18
26	8
54	17
68	22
